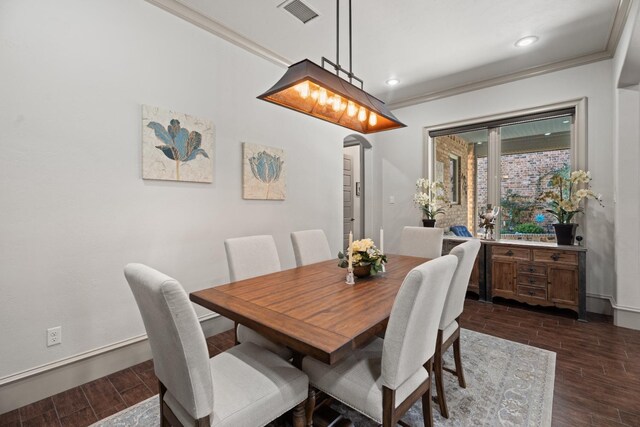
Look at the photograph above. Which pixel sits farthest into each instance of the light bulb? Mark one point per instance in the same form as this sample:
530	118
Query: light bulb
343	106
373	119
322	97
362	114
336	102
351	109
303	89
314	95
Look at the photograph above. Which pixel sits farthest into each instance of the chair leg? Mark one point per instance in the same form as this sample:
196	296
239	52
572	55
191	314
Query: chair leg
299	418
458	360
235	333
427	411
388	407
442	400
164	422
310	406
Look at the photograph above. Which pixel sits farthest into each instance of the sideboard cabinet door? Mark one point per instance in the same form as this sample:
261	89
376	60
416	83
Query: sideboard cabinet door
563	284
503	274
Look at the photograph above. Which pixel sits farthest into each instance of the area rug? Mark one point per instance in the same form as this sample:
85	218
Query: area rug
508	384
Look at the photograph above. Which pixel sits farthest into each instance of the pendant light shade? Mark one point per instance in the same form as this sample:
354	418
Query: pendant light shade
310	89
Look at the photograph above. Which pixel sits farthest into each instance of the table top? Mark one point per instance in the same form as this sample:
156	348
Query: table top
311	309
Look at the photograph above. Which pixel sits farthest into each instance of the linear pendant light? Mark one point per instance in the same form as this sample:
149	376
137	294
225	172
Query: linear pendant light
311	89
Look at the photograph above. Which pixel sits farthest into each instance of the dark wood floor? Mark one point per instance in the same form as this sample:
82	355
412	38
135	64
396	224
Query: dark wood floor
597	371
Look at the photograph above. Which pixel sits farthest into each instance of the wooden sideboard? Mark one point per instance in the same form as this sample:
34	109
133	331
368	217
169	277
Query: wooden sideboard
535	273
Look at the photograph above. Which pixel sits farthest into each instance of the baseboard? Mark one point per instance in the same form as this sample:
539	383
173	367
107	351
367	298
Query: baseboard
600	304
35	384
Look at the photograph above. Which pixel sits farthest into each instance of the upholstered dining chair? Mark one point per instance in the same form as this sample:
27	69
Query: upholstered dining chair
385	378
249	257
310	246
422	242
244	386
449	329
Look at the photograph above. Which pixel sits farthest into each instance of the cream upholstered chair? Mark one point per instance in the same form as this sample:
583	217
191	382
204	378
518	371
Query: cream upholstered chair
250	257
383	379
449	330
422	242
310	246
244	386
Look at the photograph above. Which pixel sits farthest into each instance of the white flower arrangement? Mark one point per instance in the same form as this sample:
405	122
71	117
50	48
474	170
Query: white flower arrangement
430	197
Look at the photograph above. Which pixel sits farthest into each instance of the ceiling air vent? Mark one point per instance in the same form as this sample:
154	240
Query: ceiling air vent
300	10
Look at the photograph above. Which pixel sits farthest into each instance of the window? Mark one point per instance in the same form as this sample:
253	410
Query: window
521	153
454	179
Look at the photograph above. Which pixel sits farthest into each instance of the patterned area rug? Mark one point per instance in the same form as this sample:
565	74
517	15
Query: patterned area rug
508	384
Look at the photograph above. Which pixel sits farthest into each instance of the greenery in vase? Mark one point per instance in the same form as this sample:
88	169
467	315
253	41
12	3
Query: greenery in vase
431	197
364	253
566	194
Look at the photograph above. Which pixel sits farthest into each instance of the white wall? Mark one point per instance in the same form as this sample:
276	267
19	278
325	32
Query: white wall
354	152
74	208
626	172
401	152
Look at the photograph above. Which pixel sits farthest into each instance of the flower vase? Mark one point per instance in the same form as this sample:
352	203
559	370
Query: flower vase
429	223
362	270
565	233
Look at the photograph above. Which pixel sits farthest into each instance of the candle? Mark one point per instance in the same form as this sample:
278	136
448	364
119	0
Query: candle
381	240
351	249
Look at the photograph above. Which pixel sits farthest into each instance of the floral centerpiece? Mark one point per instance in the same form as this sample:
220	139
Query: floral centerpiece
431	198
565	198
366	258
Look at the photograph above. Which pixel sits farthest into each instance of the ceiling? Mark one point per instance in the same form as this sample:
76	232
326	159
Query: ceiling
433	47
552	126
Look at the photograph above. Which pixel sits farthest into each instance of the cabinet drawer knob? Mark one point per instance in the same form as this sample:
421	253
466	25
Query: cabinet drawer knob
531	293
555	257
531	270
532	281
509	252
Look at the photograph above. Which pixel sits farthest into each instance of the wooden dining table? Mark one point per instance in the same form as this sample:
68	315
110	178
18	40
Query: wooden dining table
311	309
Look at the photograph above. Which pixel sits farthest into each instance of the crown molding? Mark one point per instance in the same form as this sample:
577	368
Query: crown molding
216	28
182	11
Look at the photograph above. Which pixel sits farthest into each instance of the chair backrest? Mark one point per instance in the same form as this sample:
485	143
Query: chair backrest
410	339
251	256
425	242
180	355
310	246
454	304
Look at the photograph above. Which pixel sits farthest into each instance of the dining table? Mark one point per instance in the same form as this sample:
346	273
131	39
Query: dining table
311	309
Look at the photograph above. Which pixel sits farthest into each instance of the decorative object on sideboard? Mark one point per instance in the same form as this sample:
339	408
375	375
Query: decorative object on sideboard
488	220
565	196
263	172
432	199
364	257
176	146
311	89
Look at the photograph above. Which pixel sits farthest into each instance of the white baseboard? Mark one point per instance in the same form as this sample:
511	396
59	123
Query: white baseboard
35	384
623	316
600	304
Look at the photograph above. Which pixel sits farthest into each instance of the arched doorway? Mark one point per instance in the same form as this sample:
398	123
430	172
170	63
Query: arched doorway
354	206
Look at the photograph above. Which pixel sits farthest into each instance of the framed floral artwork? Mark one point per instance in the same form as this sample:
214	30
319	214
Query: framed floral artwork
263	172
176	146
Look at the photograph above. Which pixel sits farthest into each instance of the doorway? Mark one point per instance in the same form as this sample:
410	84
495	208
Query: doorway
353	181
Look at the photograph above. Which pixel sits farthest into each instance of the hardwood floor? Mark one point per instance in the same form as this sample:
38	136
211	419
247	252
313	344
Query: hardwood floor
597	370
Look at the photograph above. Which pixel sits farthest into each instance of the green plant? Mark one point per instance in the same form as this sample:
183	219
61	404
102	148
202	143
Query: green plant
515	208
529	228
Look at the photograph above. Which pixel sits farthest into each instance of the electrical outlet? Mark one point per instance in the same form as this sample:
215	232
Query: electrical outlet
54	336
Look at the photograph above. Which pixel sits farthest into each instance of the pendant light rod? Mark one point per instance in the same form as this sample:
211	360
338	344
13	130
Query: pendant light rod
350	48
336	65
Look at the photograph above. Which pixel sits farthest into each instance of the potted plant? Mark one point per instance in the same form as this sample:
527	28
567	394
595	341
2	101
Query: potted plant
565	198
431	198
366	258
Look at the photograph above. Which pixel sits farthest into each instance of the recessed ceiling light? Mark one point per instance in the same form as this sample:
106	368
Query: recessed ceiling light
547	134
526	41
393	82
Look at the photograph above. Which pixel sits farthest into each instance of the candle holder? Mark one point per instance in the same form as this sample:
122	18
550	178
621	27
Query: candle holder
350	280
